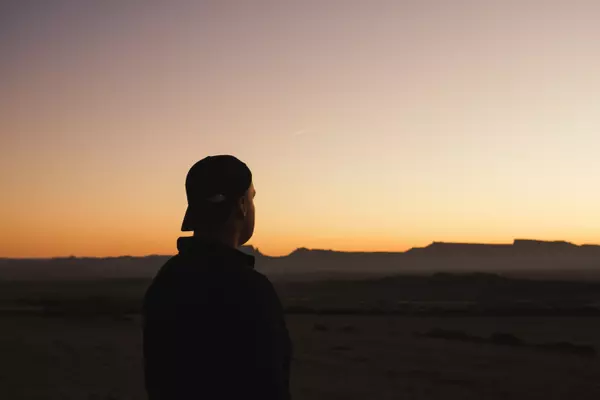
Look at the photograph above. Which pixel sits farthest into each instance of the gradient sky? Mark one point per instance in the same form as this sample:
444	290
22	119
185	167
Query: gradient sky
369	125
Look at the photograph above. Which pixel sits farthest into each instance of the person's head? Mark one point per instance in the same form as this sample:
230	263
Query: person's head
220	197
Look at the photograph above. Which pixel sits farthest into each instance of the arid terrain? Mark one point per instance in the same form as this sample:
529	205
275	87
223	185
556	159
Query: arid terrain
336	357
474	336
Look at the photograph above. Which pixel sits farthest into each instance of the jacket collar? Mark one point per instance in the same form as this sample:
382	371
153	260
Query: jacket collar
196	246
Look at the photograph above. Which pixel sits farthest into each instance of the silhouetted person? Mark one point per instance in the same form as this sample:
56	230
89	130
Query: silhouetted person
213	326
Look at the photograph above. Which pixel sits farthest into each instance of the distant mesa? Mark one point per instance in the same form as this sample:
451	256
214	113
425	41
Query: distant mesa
518	247
447	249
518	257
541	245
303	251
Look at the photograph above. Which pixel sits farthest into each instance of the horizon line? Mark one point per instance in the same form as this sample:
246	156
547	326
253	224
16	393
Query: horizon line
514	241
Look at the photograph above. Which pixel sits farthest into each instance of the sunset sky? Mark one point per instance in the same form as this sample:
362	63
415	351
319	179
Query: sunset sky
368	125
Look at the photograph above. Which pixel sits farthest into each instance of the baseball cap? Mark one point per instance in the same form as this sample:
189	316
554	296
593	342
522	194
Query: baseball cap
212	186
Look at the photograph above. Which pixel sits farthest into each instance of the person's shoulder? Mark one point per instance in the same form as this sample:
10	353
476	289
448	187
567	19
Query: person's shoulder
170	268
257	279
258	289
175	275
162	276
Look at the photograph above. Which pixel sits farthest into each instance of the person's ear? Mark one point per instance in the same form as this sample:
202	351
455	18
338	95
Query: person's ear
242	207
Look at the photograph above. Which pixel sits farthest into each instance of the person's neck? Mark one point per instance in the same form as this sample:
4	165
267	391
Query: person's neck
229	240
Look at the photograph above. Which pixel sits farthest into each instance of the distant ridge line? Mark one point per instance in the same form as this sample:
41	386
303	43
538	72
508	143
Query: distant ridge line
531	244
552	258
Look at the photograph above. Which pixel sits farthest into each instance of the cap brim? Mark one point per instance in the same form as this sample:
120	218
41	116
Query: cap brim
187	225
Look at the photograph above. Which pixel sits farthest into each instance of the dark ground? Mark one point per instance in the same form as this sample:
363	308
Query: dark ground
83	340
337	357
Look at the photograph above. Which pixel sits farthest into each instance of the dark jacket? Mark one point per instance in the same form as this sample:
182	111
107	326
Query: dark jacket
214	328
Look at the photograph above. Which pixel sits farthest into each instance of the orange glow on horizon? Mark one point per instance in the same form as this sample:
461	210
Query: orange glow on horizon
410	124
